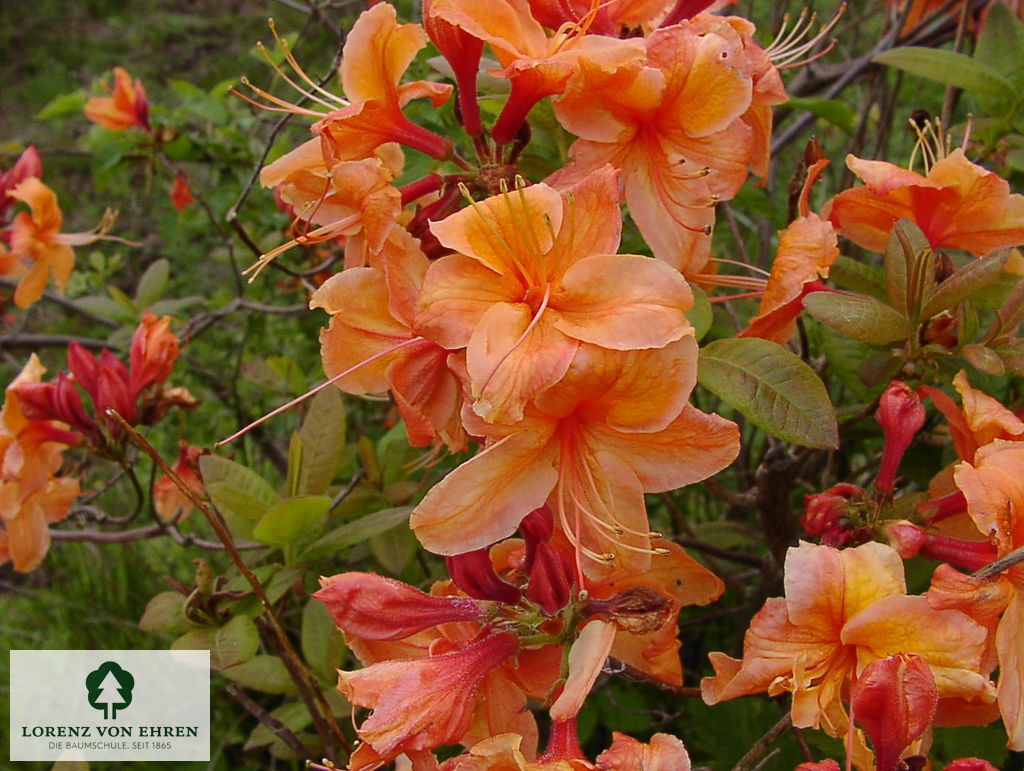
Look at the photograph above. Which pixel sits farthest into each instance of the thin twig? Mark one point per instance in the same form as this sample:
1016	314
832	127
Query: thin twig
275	726
63	301
51	341
308	686
763	745
1005	562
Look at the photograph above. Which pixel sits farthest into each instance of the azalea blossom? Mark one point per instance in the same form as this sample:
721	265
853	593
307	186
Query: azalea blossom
836	618
37	244
958	205
32	495
590	448
126	107
807	249
672	123
535	274
371	336
992	485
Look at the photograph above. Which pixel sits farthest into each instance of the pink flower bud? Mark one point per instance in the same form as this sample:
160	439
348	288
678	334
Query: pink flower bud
901	415
373	607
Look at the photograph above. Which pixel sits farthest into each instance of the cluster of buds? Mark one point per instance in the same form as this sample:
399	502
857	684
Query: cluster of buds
512	624
134	392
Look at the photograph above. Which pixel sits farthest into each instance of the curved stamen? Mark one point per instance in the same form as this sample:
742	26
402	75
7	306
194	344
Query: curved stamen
317	389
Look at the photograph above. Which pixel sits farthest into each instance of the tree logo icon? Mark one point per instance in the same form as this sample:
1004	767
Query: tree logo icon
110	688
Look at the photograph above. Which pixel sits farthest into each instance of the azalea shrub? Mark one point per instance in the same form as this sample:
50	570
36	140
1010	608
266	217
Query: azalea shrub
671	412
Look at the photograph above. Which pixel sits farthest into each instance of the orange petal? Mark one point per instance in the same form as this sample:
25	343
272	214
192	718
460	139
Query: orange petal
484	499
1011	670
586	658
622	302
457	292
513	356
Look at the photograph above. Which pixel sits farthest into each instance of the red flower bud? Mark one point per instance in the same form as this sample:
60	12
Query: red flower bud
373	607
894	700
474	574
551	579
68	407
901	415
84	367
970	764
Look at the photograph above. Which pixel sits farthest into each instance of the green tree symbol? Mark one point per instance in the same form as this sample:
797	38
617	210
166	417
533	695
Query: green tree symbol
110	688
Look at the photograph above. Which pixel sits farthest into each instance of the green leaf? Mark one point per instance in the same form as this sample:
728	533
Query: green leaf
231	644
175	305
323	441
772	387
395	455
63	105
122	299
294	715
323	647
291	520
835	111
984	359
858	277
858	317
240	494
951	69
152	283
263	673
394	548
974	276
1001	44
359	531
906	242
105	307
276	582
166	613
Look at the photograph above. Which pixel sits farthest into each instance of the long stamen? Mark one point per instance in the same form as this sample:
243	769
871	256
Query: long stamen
283	106
736	282
322	233
316	390
593	518
618	528
493	230
737	263
787	48
289	57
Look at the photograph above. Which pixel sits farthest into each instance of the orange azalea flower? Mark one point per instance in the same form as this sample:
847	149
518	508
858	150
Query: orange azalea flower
37	242
995	498
838	616
807	249
31	496
958	205
979	421
676	577
590	448
349	198
503	753
124	108
535	64
377	53
370	333
672	125
536	274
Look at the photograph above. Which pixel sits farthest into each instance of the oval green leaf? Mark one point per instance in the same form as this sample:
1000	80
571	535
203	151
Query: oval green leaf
772	387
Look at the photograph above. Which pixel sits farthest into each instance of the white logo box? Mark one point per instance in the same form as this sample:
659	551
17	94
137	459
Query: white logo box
146	705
